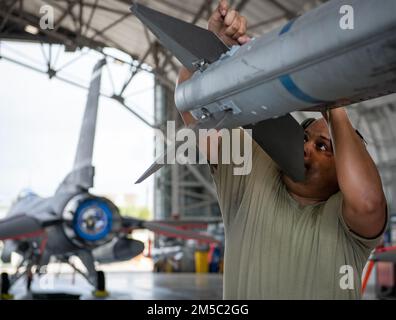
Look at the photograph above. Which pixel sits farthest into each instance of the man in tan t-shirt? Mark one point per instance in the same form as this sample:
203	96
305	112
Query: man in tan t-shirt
298	240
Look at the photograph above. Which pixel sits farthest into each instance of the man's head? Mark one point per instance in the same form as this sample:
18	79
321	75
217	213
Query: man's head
320	170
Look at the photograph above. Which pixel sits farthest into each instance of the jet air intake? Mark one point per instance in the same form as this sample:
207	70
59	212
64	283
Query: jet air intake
90	221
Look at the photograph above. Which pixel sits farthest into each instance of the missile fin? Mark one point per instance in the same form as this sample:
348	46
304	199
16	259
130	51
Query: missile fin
192	46
158	163
283	140
152	169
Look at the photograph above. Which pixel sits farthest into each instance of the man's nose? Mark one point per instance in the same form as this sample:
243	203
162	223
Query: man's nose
308	148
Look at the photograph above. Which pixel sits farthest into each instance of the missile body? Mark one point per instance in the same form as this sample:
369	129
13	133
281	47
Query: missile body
312	63
308	64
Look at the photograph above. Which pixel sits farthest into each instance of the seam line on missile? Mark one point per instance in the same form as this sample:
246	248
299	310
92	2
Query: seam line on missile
287	26
292	88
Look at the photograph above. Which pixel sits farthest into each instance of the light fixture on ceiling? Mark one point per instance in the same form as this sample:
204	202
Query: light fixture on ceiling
31	29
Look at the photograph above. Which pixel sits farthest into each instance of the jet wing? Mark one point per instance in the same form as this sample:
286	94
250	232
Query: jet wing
190	44
25	226
167	230
191	222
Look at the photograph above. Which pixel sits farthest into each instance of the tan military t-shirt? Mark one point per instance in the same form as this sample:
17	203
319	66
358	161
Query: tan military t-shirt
277	249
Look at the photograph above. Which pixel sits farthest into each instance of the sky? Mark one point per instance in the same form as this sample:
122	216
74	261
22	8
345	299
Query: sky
40	121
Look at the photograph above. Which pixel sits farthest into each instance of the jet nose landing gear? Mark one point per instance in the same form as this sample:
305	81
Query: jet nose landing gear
5	287
100	290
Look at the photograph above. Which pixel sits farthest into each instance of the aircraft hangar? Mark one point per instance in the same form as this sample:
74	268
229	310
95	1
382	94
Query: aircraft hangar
183	199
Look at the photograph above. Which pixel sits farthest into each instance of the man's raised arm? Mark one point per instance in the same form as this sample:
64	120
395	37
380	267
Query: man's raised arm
364	206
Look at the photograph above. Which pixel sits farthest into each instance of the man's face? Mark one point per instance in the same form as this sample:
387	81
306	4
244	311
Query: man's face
320	171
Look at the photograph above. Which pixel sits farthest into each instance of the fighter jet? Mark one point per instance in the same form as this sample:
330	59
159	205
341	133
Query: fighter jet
324	58
75	222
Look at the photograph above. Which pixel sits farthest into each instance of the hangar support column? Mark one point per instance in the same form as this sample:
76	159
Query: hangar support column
184	191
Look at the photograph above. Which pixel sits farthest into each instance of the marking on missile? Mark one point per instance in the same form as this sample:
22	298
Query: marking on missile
291	86
287	26
246	63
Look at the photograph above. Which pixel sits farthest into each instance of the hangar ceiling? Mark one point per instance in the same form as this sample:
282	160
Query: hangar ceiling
109	23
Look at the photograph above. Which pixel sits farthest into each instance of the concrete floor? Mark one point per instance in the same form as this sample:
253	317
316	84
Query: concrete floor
137	286
131	285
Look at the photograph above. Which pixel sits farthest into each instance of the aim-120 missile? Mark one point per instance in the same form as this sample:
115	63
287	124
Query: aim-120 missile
311	63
